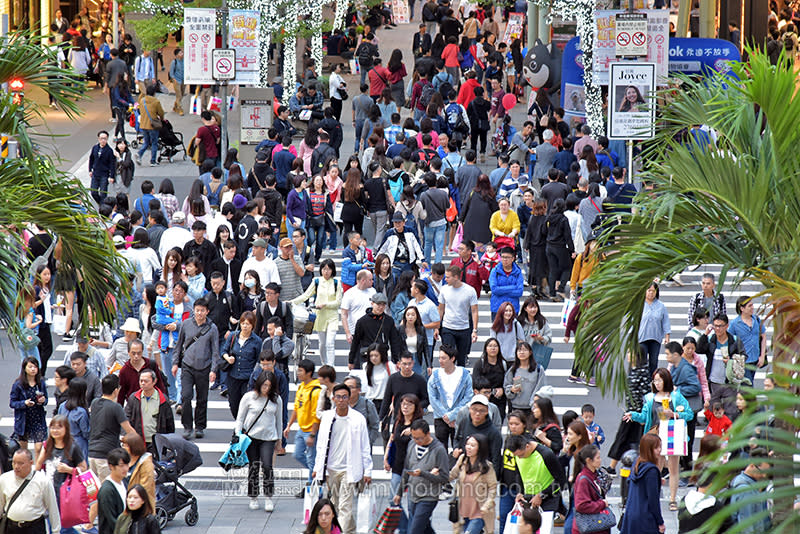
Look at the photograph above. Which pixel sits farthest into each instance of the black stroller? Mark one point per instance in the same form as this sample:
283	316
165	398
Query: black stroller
170	142
175	456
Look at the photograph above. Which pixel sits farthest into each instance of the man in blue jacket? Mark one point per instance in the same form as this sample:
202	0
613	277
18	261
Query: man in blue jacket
282	163
506	281
354	259
102	166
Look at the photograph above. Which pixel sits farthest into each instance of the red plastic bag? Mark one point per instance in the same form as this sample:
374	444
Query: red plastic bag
74	503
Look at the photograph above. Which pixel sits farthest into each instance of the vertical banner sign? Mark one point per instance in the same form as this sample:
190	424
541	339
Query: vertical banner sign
631	102
400	12
199	27
605	43
256	116
514	27
243	36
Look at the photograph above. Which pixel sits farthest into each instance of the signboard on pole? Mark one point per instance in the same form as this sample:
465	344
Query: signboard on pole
400	12
632	107
199	27
631	35
223	64
605	43
256	114
244	27
514	27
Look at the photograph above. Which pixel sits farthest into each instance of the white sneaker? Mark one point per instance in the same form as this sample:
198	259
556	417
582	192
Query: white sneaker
268	505
254	503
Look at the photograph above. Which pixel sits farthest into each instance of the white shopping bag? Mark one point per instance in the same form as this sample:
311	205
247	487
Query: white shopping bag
366	511
337	212
312	494
512	520
59	324
673	437
547	523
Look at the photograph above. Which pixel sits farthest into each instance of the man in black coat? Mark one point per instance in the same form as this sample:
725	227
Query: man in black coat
229	266
375	327
102	166
422	41
322	154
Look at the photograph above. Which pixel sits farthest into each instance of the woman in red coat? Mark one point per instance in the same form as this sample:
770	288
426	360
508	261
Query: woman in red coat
587	495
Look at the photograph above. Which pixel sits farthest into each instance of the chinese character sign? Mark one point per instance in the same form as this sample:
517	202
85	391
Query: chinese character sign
514	27
631	102
605	42
199	27
243	36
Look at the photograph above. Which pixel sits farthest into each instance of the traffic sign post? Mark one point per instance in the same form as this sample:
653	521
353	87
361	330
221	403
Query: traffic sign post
223	64
631	35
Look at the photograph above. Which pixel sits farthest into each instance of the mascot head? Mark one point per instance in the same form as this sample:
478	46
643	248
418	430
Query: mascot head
542	66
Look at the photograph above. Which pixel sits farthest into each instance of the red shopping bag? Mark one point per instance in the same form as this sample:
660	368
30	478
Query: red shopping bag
74	503
389	521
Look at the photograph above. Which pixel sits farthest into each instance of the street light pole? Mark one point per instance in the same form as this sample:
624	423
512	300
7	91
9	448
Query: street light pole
115	19
223	145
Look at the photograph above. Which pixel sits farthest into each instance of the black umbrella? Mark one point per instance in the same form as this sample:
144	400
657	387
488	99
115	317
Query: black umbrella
185	454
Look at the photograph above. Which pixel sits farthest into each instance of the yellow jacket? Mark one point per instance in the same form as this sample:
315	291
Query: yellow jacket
498	226
581	270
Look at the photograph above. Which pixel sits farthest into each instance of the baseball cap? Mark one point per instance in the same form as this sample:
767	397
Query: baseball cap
378	298
260	243
118	240
398	217
178	216
286	242
523	180
479	399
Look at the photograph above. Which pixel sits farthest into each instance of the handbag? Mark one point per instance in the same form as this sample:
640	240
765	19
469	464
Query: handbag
337	211
91	483
224	365
4	517
59	324
366	511
316	221
342	94
74	506
389	520
154	123
236	455
542	354
588	523
695	403
452	512
673	437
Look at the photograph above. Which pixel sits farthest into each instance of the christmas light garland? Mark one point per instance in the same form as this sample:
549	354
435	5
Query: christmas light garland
582	11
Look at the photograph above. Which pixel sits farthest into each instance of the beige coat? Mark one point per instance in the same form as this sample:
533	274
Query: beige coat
485	484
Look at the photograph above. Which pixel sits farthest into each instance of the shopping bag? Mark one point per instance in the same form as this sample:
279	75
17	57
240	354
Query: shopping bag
74	506
542	354
236	455
311	495
214	103
512	520
459	237
355	68
366	511
194	105
673	437
231	102
59	324
389	520
568	305
91	483
547	522
337	212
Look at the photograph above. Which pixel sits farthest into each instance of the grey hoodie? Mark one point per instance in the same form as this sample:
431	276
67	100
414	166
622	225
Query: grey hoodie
426	486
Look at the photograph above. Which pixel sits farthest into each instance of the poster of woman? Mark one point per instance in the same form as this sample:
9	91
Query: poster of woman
630	99
631	110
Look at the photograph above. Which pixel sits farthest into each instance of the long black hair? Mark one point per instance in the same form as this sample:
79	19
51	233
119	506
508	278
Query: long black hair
23	376
383	350
273	385
403	284
313	523
481	463
76	394
531	362
539	319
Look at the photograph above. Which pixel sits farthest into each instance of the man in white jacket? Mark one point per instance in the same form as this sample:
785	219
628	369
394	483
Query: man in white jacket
402	247
344	455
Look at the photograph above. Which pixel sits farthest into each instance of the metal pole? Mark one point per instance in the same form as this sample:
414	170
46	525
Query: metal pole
223	145
629	177
533	23
115	19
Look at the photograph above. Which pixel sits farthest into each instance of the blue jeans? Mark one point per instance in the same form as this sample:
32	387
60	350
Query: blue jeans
419	520
150	140
400	267
316	236
402	527
418	115
473	526
33	352
750	372
507	497
303	453
166	361
434	237
359	129
99	187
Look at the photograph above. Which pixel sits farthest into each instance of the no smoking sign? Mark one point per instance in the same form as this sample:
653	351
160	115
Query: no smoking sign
631	29
223	64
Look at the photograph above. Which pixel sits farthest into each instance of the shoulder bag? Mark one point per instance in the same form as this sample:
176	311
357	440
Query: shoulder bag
4	517
155	123
224	365
588	523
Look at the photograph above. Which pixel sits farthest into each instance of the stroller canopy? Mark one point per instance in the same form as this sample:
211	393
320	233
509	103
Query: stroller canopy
184	453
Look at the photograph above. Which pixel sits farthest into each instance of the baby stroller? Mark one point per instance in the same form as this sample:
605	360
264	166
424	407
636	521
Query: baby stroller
175	457
132	131
170	142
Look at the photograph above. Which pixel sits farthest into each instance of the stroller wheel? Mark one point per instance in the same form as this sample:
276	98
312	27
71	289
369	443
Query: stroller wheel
191	517
162	516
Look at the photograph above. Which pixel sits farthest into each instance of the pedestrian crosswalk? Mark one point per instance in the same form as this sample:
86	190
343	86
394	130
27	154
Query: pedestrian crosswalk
567	396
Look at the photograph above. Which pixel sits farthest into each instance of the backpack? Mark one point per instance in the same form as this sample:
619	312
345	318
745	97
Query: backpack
734	370
426	95
452	211
365	54
455	118
316	286
426	154
788	42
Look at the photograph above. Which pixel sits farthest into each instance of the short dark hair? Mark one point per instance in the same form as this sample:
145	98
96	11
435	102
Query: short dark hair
342	387
327	371
449	350
115	456
306	365
587	408
421	424
673	346
201	302
109	383
517	442
78	355
66	372
721	317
